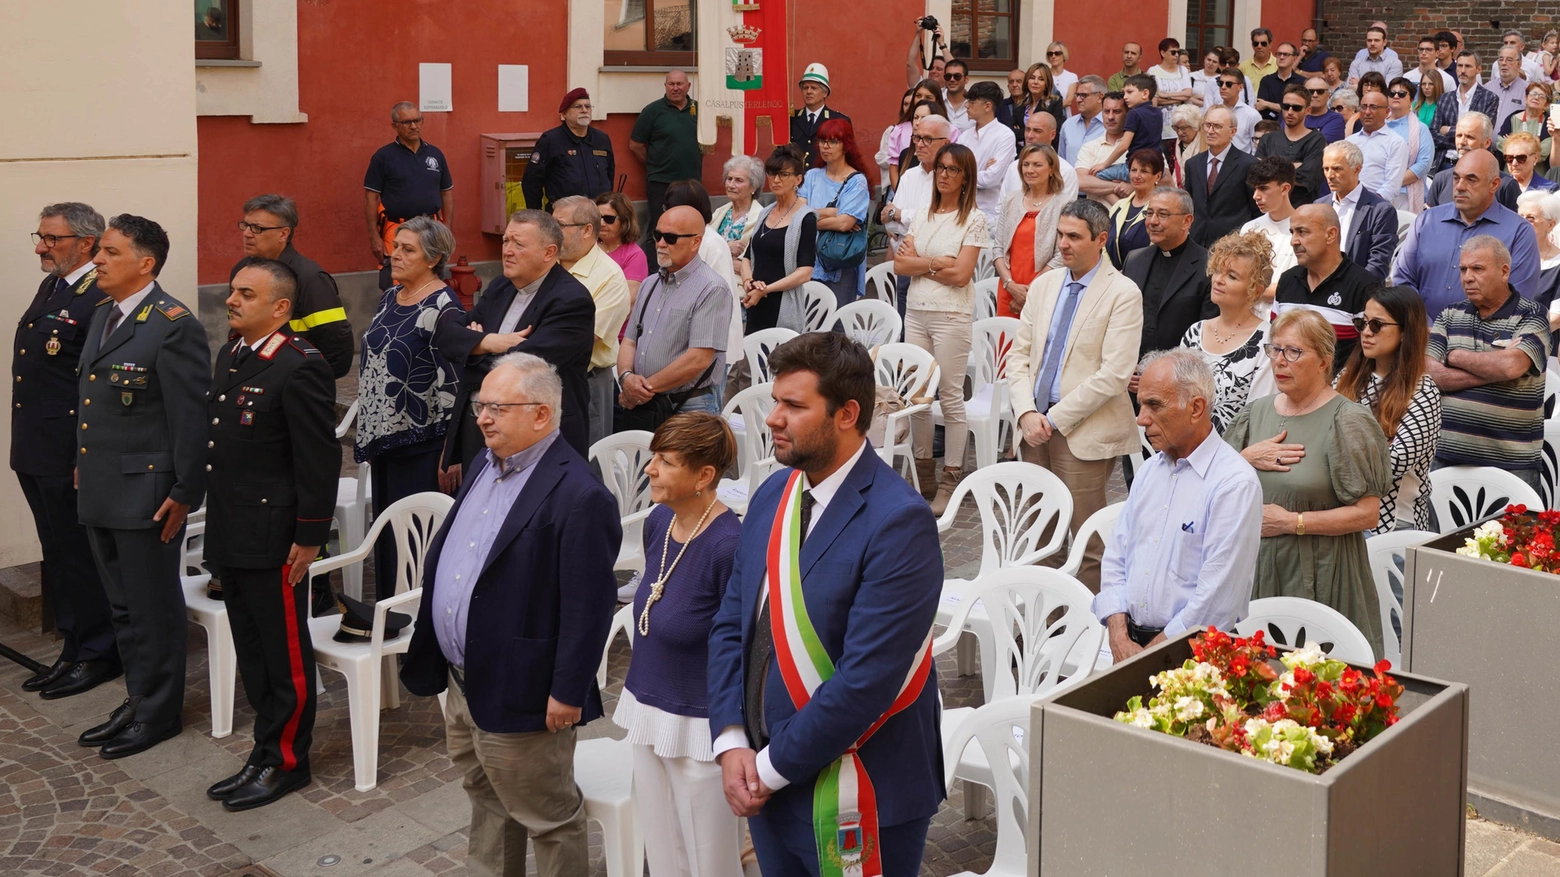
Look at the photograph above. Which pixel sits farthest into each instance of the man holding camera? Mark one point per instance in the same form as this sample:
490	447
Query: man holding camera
917	65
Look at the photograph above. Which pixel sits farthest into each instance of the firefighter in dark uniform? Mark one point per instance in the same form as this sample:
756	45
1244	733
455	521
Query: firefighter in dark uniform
571	159
268	227
141	464
406	177
273	465
813	112
49	338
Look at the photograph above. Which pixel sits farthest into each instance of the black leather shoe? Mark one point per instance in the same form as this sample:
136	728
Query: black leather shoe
85	676
139	737
118	720
41	679
224	788
268	785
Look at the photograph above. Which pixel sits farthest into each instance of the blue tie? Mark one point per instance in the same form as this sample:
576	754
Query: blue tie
1054	347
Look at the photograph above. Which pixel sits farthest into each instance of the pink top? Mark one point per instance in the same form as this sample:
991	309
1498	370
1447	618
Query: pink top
631	258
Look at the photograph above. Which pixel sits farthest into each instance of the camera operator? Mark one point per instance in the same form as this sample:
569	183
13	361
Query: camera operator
917	67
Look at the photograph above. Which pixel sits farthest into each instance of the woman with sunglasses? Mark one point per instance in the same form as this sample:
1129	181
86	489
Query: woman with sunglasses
1063	81
1323	464
938	255
618	239
1240	267
1521	153
1534	120
1421	150
1386	373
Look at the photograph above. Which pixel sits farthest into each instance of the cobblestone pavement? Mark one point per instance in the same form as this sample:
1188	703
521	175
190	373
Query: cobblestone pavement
65	811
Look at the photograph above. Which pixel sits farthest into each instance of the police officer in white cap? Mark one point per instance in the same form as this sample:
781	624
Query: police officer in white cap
806	119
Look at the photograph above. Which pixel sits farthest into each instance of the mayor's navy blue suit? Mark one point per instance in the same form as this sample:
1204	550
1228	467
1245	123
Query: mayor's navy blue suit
542	605
872	574
1373	235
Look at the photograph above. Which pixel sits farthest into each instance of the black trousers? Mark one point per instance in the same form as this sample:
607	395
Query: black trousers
270	622
655	196
70	579
141	577
396	475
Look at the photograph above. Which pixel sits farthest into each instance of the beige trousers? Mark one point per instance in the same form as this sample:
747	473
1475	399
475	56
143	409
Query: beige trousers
520	785
946	336
1086	480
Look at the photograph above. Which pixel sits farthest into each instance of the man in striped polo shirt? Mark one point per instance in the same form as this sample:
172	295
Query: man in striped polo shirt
1488	354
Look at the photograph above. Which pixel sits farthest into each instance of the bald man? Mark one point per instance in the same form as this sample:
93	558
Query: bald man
1322	279
1428	259
1040	130
674	350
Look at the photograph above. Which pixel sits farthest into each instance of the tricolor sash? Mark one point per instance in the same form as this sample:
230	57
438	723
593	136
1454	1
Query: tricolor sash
844	805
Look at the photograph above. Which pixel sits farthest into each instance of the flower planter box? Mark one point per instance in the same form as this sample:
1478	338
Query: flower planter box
1107	798
1494	628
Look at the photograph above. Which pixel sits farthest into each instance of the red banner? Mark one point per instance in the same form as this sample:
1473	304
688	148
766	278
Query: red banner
771	99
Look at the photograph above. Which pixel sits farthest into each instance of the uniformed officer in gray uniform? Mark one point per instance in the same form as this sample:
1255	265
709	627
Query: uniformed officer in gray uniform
141	467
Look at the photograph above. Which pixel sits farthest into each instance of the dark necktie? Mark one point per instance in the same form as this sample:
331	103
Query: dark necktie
240	356
761	654
60	285
1213	172
114	316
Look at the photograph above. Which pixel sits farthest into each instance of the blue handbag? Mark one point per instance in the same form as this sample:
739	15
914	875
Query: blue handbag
842	249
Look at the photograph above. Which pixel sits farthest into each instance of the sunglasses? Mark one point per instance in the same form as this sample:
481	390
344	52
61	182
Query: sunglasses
1316	90
1225	83
1052	54
1518	159
1397	93
1373	325
1261	45
1298	108
609	219
953	77
671	238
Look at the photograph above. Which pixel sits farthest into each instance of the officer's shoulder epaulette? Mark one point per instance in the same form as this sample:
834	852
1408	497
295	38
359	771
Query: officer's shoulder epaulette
272	345
796	112
304	347
172	310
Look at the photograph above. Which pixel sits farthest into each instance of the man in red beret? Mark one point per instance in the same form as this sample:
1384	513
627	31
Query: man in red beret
571	159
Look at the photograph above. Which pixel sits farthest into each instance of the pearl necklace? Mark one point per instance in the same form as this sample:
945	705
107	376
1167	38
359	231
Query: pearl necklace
659	585
1220	337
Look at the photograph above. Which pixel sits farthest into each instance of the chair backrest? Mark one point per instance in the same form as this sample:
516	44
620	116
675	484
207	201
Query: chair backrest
1039	616
1405	223
413	521
882	285
991	349
1000	729
986	263
1464	495
621	458
1551	389
347	419
1387	563
1102	524
870	322
757	347
818	304
1025	511
622	622
1295	621
907	370
986	297
1549	457
752	407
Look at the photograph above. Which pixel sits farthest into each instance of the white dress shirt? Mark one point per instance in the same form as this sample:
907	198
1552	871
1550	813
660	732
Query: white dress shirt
734	736
960	116
993	145
1012	182
1246	119
1345	206
913	195
1184	551
1386	160
127	307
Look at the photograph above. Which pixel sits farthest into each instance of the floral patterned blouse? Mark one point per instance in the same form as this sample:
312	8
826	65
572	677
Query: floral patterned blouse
406	386
1239	376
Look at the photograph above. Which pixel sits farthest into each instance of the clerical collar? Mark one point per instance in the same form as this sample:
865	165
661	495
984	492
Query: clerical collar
1169	254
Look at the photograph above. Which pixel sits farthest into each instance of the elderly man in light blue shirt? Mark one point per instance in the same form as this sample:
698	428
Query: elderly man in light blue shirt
1184	550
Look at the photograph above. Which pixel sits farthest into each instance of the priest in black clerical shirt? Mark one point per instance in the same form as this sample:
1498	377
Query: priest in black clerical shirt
1172	272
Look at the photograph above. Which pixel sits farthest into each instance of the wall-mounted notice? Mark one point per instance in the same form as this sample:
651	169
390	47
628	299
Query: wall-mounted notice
514	88
434	90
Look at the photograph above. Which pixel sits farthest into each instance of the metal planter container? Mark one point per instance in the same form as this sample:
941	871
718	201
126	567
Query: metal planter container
1492	627
1111	799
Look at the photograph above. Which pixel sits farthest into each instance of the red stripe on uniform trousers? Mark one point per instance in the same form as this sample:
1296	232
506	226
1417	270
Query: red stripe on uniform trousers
295	660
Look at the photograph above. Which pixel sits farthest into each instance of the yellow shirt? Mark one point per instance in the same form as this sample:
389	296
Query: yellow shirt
609	288
1255	71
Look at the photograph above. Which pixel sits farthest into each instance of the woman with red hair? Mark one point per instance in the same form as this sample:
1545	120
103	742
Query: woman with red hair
839	189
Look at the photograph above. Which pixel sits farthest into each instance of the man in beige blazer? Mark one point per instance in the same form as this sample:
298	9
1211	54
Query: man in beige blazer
1070	365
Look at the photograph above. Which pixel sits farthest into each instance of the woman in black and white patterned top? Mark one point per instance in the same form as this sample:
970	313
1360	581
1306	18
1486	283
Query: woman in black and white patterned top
1240	267
1386	373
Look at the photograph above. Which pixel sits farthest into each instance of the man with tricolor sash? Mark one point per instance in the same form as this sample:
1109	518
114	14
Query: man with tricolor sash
823	693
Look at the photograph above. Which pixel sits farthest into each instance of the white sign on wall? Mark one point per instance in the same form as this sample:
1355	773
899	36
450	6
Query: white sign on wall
434	88
514	88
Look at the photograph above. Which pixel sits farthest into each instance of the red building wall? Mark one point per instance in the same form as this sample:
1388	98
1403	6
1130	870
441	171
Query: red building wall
1094	33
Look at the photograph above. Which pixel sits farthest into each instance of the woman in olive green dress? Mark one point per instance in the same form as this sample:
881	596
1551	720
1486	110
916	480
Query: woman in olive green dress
1324	465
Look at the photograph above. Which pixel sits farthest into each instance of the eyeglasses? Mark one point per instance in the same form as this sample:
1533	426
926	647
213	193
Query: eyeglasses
1518	159
1374	325
952	77
1397	93
1081	95
51	240
1296	108
609	219
1283	54
498	409
922	138
1161	214
949	169
416	121
572	224
1290	354
254	228
828	142
670	238
1213	126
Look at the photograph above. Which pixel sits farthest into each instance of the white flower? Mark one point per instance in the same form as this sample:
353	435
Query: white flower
1309	657
1143	719
1188	709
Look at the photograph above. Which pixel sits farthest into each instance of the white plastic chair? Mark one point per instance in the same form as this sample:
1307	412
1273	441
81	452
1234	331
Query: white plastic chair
755	446
986	263
354	509
870	322
757	347
1019	504
1405	224
1102	524
1295	622
818	304
999	729
621	458
370	668
913	373
221	656
1551	388
604	771
1549	456
1465	495
882	285
1387	562
986	298
989	409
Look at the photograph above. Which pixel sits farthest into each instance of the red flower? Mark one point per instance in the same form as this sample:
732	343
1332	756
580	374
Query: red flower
1304	676
1518	560
1517	509
1383	665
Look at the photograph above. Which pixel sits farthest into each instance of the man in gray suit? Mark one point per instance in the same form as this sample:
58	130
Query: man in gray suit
141	468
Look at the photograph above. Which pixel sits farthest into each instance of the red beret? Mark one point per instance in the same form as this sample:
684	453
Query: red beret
571	97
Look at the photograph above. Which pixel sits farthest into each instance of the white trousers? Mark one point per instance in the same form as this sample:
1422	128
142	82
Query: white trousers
687	825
